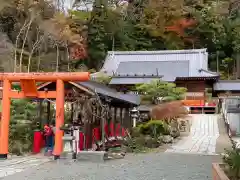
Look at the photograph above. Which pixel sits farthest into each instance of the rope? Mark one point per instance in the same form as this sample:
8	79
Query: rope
55	101
48	100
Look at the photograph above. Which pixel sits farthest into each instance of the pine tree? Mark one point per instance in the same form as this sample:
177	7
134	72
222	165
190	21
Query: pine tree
97	35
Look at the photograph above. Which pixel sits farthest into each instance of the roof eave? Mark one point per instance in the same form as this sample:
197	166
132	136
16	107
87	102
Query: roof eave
91	92
198	78
224	90
187	51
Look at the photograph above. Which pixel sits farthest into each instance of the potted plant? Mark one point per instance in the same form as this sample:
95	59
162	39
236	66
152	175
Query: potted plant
230	169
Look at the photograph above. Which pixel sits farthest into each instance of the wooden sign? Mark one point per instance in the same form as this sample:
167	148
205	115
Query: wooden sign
193	102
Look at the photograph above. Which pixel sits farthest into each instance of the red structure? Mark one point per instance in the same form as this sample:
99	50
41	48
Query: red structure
96	136
29	90
37	142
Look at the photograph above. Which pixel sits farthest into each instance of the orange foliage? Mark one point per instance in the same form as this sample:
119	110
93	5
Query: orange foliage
78	52
168	110
180	26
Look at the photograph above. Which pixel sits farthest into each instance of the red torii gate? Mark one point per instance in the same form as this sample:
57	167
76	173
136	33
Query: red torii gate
29	90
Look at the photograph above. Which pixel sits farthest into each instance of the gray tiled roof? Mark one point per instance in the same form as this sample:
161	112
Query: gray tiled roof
131	80
168	69
165	61
197	58
106	91
227	85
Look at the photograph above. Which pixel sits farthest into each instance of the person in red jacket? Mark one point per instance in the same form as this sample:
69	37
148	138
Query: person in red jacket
48	134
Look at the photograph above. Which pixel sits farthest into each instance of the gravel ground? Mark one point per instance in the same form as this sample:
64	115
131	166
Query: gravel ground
149	166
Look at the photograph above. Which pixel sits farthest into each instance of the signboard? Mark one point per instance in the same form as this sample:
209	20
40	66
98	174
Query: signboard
193	102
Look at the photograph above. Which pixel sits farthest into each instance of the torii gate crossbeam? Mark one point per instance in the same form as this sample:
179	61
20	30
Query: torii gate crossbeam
29	90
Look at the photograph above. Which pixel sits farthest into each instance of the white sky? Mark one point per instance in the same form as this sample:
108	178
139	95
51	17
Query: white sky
82	5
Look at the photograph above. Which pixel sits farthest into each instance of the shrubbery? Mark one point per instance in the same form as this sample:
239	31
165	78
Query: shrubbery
147	135
154	128
23	115
232	162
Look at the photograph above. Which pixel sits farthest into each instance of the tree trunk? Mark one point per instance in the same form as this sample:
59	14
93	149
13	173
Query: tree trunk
23	45
238	65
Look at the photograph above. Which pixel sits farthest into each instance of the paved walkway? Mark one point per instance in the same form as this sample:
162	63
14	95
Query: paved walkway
202	138
149	166
19	164
152	166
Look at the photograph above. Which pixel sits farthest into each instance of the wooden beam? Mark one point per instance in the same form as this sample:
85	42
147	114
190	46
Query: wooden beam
40	94
82	88
44	77
70	82
43	85
28	87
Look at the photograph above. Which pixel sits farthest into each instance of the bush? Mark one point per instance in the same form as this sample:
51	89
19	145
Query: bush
20	138
23	115
141	143
154	128
134	144
232	162
151	142
135	132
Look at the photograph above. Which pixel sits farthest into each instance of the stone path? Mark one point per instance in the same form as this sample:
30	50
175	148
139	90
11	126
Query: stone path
19	164
147	166
202	138
152	166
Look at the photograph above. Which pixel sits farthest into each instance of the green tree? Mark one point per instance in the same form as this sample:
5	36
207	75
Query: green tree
108	30
103	79
97	35
227	66
23	116
217	30
161	90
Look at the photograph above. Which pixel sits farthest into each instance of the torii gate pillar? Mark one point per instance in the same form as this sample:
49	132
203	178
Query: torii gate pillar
4	128
29	90
59	119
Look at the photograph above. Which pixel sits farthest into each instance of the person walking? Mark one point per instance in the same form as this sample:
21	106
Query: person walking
53	127
48	134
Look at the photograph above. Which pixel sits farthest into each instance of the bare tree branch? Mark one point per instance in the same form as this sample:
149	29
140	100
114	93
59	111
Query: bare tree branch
57	65
23	45
16	45
38	41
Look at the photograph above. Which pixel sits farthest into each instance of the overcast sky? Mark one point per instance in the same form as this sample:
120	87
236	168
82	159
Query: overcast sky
83	5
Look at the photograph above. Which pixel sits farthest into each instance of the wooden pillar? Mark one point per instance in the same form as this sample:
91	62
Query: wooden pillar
126	116
121	115
127	119
59	119
103	122
114	119
48	112
4	129
72	112
40	112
